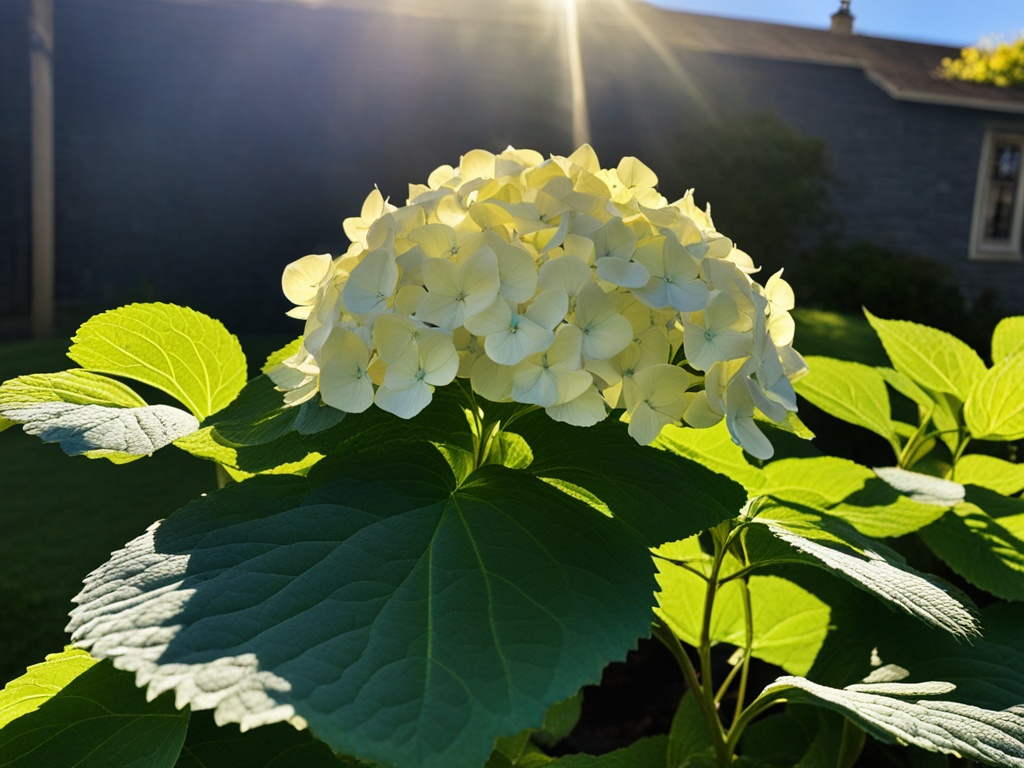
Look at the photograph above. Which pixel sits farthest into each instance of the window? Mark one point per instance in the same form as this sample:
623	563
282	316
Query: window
999	199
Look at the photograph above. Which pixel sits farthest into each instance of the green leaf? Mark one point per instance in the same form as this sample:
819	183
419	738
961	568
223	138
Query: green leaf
790	624
689	734
99	429
645	753
179	351
942	409
852	392
282	354
980	549
818	539
404	619
98	720
5	424
713	448
208	745
1007	338
820	481
932	358
989	472
949	727
40	682
662	496
995	408
73	386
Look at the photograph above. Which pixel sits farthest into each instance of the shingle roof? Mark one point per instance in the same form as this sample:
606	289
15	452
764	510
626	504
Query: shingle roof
905	70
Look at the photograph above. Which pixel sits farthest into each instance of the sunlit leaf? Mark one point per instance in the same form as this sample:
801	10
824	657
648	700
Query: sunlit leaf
930	357
180	351
852	392
715	449
995	408
789	623
993	737
98	719
815	538
1008	338
990	472
40	682
100	429
979	548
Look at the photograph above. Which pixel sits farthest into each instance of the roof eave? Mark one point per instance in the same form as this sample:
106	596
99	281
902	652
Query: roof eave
949	100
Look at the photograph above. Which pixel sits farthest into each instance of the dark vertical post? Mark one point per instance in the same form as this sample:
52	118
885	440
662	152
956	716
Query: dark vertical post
41	84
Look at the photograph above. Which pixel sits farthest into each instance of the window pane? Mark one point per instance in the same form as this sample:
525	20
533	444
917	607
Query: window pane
1002	192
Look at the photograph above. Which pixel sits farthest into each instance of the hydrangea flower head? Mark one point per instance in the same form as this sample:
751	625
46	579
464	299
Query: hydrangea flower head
549	282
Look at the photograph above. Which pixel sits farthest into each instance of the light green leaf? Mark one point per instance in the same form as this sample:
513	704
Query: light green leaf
848	491
208	745
405	620
852	392
1007	338
98	720
949	727
881	512
5	424
40	682
820	481
932	358
790	624
989	472
995	408
662	496
175	349
280	355
713	448
980	549
942	409
73	386
98	429
824	541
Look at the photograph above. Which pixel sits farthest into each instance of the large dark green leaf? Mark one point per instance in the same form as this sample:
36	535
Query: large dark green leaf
272	746
661	495
404	619
98	720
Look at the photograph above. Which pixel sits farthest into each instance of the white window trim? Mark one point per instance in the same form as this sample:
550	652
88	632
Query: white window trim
981	250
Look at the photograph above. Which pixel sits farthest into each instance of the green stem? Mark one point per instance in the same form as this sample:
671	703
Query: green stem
748	646
757	706
707	706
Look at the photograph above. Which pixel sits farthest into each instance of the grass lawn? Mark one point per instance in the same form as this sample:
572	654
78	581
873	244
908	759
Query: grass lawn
61	517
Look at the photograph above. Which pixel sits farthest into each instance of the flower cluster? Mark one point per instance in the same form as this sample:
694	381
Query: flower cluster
554	283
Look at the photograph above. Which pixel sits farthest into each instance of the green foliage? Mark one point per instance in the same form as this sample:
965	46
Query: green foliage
95	720
437	592
175	349
375	574
999	63
41	682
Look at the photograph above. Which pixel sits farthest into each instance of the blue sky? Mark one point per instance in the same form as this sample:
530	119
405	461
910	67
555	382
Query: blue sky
952	22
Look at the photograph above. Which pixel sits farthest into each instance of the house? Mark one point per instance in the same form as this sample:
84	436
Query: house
200	146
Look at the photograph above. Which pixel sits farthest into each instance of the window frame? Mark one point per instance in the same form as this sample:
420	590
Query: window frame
989	251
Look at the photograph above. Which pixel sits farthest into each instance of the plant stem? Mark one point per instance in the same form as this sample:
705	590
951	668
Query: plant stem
748	646
757	706
707	706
